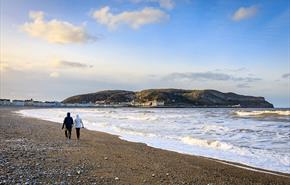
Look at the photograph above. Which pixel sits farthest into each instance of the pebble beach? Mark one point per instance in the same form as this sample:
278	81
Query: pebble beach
34	151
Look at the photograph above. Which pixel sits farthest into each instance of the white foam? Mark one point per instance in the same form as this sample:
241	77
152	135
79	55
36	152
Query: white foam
214	133
132	132
264	112
214	128
207	143
251	169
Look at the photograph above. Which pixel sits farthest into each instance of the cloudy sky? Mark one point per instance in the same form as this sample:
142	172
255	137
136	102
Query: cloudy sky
54	49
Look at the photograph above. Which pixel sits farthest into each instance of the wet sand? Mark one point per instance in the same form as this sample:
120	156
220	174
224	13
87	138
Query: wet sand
36	152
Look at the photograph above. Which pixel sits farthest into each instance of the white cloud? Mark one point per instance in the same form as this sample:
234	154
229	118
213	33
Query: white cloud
245	13
134	19
166	4
69	64
55	31
197	76
54	75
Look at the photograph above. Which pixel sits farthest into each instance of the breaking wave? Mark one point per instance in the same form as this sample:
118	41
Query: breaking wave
263	113
216	133
207	143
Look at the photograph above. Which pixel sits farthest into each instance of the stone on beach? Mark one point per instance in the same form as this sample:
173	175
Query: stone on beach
44	158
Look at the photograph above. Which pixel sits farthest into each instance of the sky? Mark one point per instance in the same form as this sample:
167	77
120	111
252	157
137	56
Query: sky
53	49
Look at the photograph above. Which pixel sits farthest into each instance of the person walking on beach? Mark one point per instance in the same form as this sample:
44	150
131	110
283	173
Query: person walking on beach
78	125
67	123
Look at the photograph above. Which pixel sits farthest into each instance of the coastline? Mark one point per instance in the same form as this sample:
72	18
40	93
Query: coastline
36	151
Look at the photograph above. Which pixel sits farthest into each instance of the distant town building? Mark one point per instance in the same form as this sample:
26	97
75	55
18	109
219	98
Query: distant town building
154	103
34	103
28	102
157	103
52	104
69	105
100	102
18	102
38	103
236	106
5	102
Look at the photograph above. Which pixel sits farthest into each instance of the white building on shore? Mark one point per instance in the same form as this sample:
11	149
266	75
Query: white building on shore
18	102
33	103
28	102
5	102
38	103
154	103
157	103
51	104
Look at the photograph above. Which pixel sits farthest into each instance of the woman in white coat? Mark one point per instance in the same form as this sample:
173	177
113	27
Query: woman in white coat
78	123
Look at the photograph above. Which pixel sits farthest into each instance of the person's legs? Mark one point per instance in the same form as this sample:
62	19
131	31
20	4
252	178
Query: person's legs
65	132
69	132
78	132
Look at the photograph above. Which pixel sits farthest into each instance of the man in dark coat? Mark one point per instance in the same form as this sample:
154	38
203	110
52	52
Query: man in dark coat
68	123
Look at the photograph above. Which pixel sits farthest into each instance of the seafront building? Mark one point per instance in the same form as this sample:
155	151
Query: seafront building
33	103
5	102
18	102
154	103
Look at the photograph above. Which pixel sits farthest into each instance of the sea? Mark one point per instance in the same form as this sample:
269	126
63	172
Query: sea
257	138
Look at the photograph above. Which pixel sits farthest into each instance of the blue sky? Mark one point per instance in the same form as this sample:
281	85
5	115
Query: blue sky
54	49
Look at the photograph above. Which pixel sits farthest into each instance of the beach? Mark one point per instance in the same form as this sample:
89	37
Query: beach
34	151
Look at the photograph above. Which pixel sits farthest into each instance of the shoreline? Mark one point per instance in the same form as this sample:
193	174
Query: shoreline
178	147
138	107
113	160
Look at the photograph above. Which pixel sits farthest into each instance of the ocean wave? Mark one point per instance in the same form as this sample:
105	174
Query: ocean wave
264	112
146	112
215	128
227	137
132	132
139	118
207	143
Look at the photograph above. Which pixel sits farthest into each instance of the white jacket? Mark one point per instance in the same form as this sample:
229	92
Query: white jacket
78	123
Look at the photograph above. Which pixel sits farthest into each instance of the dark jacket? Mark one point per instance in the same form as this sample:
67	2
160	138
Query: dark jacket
68	122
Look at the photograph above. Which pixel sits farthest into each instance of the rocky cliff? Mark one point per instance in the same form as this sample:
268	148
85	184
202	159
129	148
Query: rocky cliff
172	98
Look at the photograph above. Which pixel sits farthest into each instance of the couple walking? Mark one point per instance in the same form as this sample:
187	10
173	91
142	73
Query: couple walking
68	123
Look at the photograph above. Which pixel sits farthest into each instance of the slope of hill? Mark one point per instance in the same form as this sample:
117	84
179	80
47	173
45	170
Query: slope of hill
108	96
172	98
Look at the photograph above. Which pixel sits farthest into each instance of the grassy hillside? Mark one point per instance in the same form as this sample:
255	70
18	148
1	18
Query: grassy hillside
172	98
